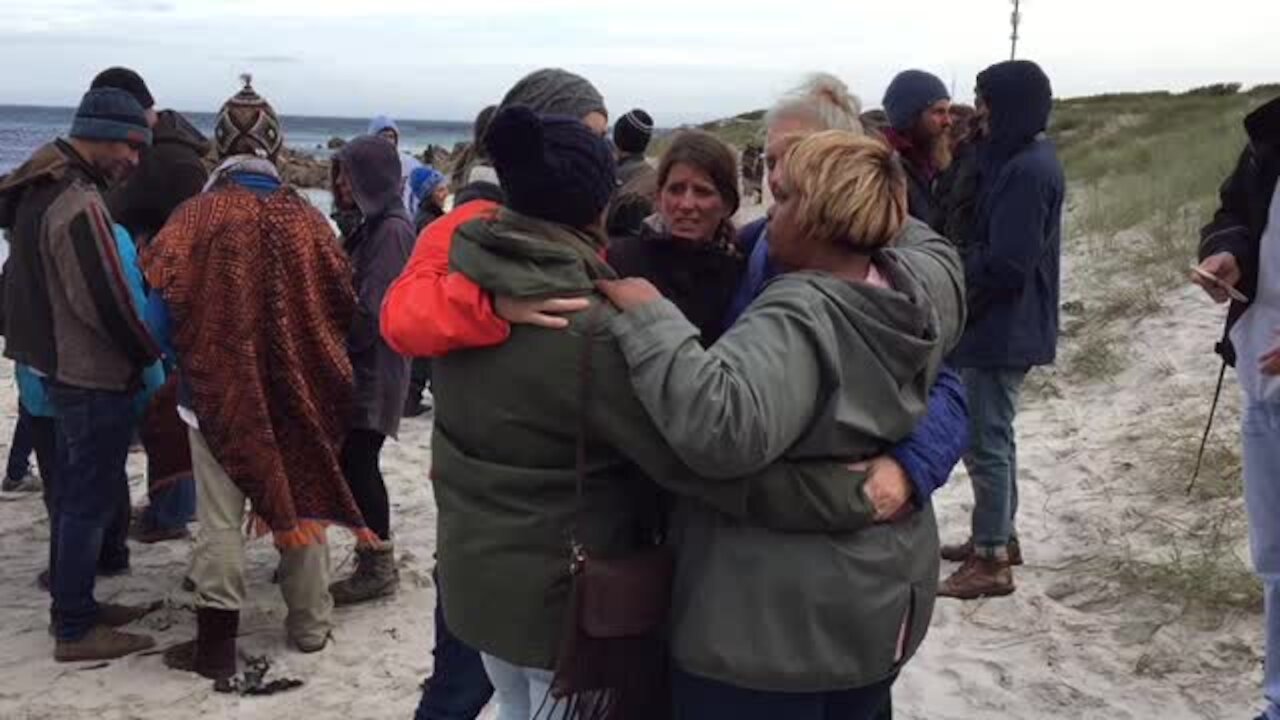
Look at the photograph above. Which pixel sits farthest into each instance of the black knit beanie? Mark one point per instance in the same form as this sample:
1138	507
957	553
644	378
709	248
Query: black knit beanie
127	80
632	132
551	167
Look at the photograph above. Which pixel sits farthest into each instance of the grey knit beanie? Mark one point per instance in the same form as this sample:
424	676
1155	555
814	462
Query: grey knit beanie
110	115
553	91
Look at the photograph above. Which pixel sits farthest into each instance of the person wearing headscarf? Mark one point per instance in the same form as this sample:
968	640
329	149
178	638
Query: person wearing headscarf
1012	274
250	270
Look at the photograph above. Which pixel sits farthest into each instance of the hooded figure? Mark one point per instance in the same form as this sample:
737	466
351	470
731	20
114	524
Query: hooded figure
380	126
367	173
1012	271
1012	274
379	248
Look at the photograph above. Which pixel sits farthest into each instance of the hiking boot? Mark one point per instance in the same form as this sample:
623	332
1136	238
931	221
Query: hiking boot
101	643
979	577
312	644
962	552
213	653
375	576
28	483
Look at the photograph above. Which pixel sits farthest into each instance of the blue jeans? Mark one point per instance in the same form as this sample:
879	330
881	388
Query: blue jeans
94	431
992	461
1261	437
21	446
458	688
697	698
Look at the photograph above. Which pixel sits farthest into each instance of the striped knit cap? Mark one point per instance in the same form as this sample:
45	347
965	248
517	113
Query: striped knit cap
247	125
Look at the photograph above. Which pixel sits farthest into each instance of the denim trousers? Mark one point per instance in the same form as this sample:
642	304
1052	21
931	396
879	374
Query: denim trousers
94	430
992	460
1261	438
458	688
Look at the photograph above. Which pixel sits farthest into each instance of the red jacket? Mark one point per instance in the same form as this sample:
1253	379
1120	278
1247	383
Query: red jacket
430	311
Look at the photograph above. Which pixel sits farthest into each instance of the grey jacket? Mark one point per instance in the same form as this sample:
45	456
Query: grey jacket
379	249
817	368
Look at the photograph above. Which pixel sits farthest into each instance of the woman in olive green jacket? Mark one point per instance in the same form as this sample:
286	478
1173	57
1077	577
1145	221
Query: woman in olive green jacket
833	360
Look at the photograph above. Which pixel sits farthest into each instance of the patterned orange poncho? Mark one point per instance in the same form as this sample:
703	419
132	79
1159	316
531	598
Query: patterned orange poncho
261	300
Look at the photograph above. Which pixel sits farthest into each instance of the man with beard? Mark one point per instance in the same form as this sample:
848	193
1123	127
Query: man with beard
82	334
918	107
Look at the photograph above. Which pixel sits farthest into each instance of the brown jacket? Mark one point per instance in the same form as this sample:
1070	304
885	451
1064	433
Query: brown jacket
71	316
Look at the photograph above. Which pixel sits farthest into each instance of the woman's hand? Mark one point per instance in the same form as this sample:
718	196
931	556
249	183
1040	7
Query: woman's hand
544	312
887	487
629	293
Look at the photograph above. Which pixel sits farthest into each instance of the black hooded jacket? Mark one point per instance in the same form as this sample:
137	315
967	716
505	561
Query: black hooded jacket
1241	218
379	248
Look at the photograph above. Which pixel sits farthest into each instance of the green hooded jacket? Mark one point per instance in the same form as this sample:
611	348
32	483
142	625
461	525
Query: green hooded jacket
817	368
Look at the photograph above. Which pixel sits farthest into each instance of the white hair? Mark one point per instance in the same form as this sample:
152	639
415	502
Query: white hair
822	99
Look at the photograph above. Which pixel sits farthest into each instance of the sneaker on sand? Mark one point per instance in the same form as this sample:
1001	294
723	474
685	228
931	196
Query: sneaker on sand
979	577
962	552
101	643
29	483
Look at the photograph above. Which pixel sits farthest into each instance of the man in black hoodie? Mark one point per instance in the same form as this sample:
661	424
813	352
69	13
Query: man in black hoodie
1240	261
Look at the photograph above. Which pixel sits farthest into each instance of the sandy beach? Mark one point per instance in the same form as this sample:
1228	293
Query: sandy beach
1074	642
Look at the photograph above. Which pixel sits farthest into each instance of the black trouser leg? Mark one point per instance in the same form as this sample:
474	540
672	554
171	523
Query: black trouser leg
360	456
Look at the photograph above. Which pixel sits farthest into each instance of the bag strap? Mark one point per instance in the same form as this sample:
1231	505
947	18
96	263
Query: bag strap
578	553
1208	428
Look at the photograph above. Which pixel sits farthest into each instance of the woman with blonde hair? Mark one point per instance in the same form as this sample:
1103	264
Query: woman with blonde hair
834	360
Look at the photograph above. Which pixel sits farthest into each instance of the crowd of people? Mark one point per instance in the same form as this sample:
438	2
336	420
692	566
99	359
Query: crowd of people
683	467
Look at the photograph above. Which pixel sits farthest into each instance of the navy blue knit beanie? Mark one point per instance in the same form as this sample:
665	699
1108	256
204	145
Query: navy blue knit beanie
551	166
911	93
111	115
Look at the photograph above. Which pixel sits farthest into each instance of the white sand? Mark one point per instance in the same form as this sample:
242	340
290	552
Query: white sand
1069	644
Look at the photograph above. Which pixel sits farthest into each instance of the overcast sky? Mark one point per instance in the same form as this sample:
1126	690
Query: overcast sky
684	60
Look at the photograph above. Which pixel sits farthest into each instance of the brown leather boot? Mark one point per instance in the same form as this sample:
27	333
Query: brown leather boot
962	552
101	643
213	652
979	577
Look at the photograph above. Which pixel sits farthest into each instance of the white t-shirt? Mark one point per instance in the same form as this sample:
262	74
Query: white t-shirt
1258	331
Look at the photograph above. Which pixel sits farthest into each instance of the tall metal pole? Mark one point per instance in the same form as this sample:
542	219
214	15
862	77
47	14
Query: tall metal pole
1017	20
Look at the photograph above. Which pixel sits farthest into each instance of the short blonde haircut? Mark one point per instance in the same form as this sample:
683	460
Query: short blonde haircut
822	99
850	190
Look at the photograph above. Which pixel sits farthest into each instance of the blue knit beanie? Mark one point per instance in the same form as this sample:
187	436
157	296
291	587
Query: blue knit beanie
111	115
424	180
911	93
551	166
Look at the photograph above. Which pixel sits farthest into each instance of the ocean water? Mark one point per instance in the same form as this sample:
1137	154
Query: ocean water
25	128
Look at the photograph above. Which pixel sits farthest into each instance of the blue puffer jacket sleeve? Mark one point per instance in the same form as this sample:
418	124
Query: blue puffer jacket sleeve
939	440
32	394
